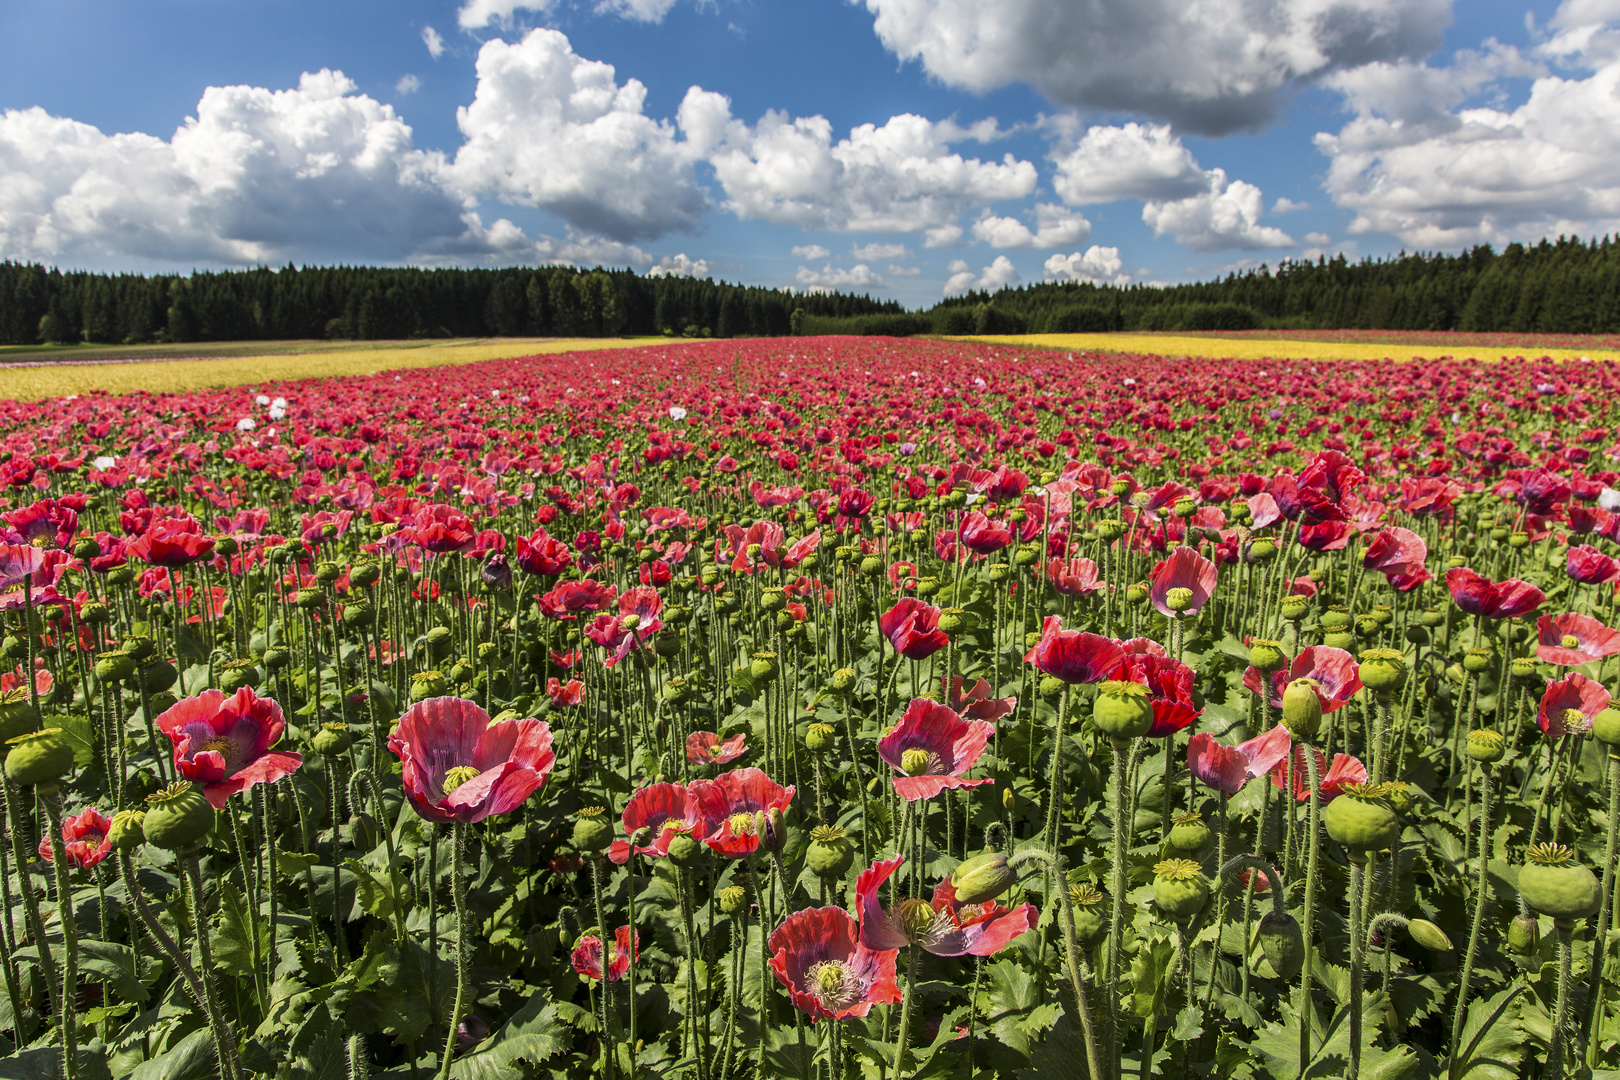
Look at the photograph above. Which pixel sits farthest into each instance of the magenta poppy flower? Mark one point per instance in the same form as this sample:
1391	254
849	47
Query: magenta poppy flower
84	839
1330	781
982	536
460	767
587	955
171	545
1072	656
1477	595
1335	672
818	957
572	597
222	743
1399	555
912	627
943	927
1569	705
975	702
45	523
1184	569
1228	768
741	810
707	748
1170	686
932	747
1077	577
1589	566
18	562
1567	640
1145	646
541	555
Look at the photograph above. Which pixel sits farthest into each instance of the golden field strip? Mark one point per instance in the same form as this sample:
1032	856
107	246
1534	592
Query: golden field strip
57	375
166	376
1267	348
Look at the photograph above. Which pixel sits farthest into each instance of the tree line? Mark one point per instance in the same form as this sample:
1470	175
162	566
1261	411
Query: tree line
370	303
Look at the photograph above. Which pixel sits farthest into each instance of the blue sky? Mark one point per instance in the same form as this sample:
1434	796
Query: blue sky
909	148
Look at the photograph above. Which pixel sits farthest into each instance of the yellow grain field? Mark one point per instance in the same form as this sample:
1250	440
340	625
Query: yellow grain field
1258	349
166	376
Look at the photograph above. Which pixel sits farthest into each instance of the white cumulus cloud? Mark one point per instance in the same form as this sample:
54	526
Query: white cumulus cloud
877	250
679	266
1225	216
1131	161
1055	226
810	252
1098	265
408	84
859	276
998	275
480	14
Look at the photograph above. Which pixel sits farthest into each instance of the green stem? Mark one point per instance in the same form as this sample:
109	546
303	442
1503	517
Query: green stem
1054	783
205	951
1482	897
1308	923
1116	925
1594	996
70	938
1358	881
458	890
1555	1050
901	1047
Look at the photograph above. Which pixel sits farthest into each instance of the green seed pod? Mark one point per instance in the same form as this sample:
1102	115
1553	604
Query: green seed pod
1362	820
1339	639
332	740
843	680
1110	528
1026	555
1178	599
1122	710
1267	656
365	574
1416	634
1433	617
95	613
327	572
1428	935
1136	595
871	566
733	899
86	548
820	737
997	572
829	855
235	674
927	586
156	676
1523	667
763	666
310	599
1282	943
428	684
1337	618
459	672
1189	834
1295	607
1524	934
17	717
178	817
1261	550
114	667
1302	708
1486	746
128	830
1554	884
1606	729
952	619
1478	660
1383	671
685	851
772	599
39	759
1090	913
358	614
438	642
276	658
1051	688
1180	889
593	831
983	877
140	646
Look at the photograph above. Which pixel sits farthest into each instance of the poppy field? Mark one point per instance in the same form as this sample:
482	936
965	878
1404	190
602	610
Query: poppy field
829	708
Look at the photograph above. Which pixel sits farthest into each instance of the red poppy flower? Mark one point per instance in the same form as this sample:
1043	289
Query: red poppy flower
975	702
1335	672
1567	640
222	743
1399	555
564	695
1077	577
587	955
1072	656
1477	595
571	597
665	810
171	545
707	748
932	747
943	927
460	767
1568	705
1589	566
541	555
14	684
84	839
1228	768
912	627
1184	569
818	957
1170	686
1330	781
741	810
46	523
982	536
444	529
1324	483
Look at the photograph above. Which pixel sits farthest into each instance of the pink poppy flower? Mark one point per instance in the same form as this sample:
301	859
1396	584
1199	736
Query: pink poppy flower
982	536
943	927
707	748
1399	555
1184	569
1335	672
460	767
1077	577
14	684
1228	768
818	957
1072	656
932	747
564	694
975	702
912	627
667	810
742	810
1330	781
84	839
1567	640
1170	684
1477	595
222	742
1145	646
587	955
1568	705
1589	566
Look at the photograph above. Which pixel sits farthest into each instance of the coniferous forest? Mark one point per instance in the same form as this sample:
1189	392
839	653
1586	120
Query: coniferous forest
1563	286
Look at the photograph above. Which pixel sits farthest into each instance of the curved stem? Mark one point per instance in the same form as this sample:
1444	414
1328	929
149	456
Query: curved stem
458	890
1482	896
205	952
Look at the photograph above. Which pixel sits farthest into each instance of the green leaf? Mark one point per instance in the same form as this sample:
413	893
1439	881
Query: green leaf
1063	1053
78	731
292	864
241	942
534	1033
1150	976
1493	1039
191	1059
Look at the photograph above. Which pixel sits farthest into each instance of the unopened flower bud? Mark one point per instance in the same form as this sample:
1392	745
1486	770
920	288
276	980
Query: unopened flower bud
982	878
1302	708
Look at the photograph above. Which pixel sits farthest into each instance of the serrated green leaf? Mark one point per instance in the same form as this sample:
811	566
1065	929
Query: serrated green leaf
1493	1039
1150	976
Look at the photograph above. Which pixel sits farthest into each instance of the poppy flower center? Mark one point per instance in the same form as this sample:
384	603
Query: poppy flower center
454	778
836	985
917	919
223	745
918	762
740	824
1571	642
1575	720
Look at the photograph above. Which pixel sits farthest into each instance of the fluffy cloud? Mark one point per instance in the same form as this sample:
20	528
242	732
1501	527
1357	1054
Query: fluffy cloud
901	177
679	266
480	14
1132	161
1054	227
1224	216
1418	163
998	275
810	252
877	250
1205	67
548	128
408	84
1099	265
320	172
434	42
859	276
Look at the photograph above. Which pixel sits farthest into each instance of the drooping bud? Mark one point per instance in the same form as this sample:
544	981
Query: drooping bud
983	877
1428	935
